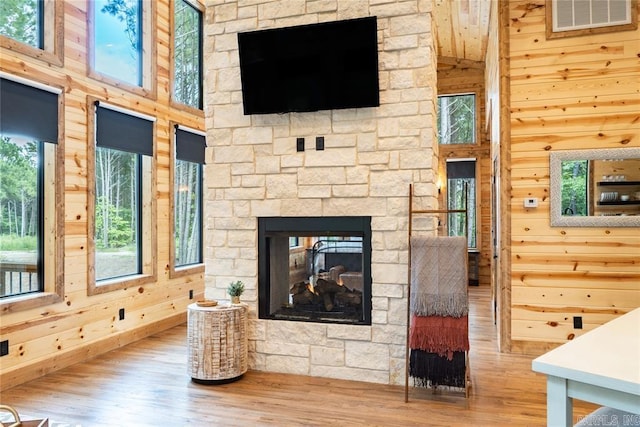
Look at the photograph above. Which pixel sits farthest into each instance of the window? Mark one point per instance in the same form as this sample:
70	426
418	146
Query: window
567	18
457	119
187	54
117	30
29	213
33	27
122	245
22	20
461	194
187	220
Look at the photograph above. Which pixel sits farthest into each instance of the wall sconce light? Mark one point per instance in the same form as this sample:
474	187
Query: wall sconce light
439	185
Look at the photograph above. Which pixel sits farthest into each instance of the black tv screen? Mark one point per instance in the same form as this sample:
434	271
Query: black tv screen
325	66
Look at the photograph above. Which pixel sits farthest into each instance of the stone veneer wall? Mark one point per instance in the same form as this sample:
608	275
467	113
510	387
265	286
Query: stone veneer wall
371	156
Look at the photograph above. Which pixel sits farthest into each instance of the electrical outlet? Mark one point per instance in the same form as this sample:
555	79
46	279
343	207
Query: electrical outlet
190	293
299	144
4	348
121	314
577	322
319	143
531	202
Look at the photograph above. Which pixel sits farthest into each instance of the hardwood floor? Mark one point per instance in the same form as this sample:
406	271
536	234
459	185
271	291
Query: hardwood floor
146	384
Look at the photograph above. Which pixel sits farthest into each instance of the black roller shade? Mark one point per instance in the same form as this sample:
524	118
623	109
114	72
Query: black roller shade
190	146
461	169
28	111
124	132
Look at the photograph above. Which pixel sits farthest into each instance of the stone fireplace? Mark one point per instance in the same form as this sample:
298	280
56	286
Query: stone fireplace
254	170
315	269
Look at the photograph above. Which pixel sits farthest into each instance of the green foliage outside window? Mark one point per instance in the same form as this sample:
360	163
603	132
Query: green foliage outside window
19	20
18	192
19	214
116	217
575	174
187	54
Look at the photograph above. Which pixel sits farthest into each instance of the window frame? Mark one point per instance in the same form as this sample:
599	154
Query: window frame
174	102
52	52
52	217
558	34
185	270
477	131
148	217
148	54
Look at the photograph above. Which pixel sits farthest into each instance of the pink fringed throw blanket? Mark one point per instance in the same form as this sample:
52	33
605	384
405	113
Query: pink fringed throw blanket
440	335
439	276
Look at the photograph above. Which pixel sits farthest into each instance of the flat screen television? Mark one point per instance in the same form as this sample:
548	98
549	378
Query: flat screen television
326	66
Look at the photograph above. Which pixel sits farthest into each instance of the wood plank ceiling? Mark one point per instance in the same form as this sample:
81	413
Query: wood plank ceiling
462	28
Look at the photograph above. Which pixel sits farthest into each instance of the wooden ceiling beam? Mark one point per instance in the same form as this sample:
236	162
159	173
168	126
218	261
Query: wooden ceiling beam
460	63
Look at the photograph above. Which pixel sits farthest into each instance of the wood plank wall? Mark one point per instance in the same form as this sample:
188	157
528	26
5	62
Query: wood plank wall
569	93
468	77
80	327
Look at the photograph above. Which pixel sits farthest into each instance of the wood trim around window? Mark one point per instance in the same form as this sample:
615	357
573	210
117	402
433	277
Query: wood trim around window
149	213
148	55
53	52
53	275
588	31
188	270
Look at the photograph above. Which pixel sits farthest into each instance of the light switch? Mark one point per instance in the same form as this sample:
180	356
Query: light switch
531	202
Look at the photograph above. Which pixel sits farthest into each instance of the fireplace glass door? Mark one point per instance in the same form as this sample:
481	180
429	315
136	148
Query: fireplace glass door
315	269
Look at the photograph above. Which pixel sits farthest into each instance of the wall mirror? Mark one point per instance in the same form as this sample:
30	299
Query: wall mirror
595	188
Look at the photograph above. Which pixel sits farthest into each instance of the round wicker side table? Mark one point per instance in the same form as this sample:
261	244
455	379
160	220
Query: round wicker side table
217	343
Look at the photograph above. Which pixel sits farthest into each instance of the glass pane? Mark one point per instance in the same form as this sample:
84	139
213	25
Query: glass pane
117	218
117	43
457	119
188	212
187	73
20	20
575	176
456	200
19	216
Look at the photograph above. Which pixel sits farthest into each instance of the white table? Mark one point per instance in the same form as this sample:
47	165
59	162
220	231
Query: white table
601	366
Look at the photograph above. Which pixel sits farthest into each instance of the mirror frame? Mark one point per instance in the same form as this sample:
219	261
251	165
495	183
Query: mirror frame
555	171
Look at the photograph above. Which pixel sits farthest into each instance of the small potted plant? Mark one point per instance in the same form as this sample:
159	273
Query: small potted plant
235	289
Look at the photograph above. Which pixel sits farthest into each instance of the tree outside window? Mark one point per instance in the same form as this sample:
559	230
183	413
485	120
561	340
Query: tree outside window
20	192
22	20
457	119
187	55
188	213
117	219
461	194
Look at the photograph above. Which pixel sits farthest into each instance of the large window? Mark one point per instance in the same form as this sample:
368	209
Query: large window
461	194
187	54
28	186
189	158
122	214
457	119
117	39
33	27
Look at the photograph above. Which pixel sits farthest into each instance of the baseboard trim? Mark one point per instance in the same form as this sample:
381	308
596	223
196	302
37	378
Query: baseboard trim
86	352
532	348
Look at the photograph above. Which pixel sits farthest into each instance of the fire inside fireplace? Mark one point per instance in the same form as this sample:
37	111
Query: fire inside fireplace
315	269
